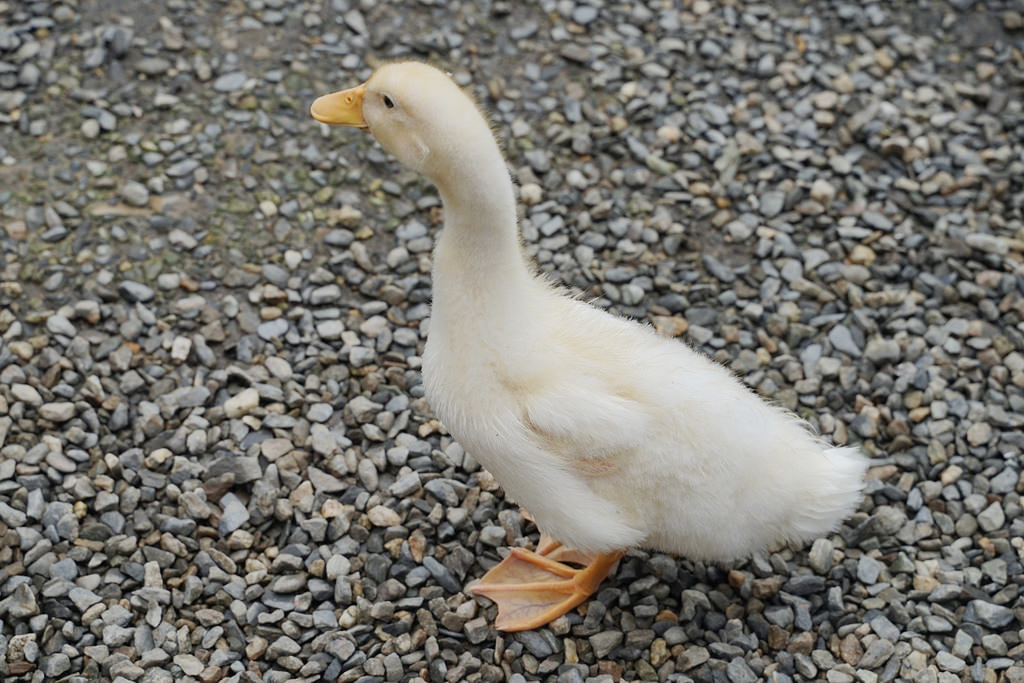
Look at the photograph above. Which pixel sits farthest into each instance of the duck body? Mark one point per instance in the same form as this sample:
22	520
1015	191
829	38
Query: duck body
615	437
612	436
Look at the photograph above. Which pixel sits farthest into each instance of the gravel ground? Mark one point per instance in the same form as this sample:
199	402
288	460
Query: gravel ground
216	462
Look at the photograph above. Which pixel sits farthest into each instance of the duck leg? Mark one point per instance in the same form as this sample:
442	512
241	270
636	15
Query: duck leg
535	588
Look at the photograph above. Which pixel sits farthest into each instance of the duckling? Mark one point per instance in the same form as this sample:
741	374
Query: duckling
612	436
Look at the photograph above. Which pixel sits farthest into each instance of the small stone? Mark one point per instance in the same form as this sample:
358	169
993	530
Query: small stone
289	583
942	592
60	411
884	59
739	231
320	412
985	70
242	403
26	393
255	648
826	99
709	49
739	672
279	368
530	193
152	66
241	469
230	82
979	433
55	665
820	556
363	409
881	351
492	535
182	168
383	516
406	485
804	584
693	657
190	664
862	255
949	662
354	20
606	641
885	628
327	483
272	449
180	348
772	203
877	654
361	356
22	604
442	575
234	514
877	220
135	291
670	326
842	340
83	598
851	650
134	193
868	569
992	518
840	164
273	329
718	269
993	244
962	644
58	324
476	630
822	191
584	14
1005	481
283	646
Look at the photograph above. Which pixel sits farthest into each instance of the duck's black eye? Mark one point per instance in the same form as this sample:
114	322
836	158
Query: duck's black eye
388	102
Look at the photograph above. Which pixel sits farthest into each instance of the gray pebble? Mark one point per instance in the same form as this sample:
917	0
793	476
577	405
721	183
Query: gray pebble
135	291
152	66
233	516
320	412
135	193
182	168
820	555
55	665
868	569
772	203
877	654
230	82
59	411
603	643
881	351
842	340
988	614
406	485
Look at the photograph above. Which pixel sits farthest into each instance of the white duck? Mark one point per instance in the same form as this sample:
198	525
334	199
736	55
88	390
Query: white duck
612	436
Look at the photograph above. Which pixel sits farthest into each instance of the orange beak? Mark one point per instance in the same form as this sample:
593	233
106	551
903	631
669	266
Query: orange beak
342	108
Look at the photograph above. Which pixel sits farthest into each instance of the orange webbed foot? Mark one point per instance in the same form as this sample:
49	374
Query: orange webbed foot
532	589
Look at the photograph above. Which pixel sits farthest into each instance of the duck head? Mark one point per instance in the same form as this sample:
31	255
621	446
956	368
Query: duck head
418	114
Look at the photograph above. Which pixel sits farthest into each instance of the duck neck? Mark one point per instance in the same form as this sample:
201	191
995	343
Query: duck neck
478	251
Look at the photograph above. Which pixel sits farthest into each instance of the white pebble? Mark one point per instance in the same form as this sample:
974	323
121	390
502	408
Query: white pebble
242	403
